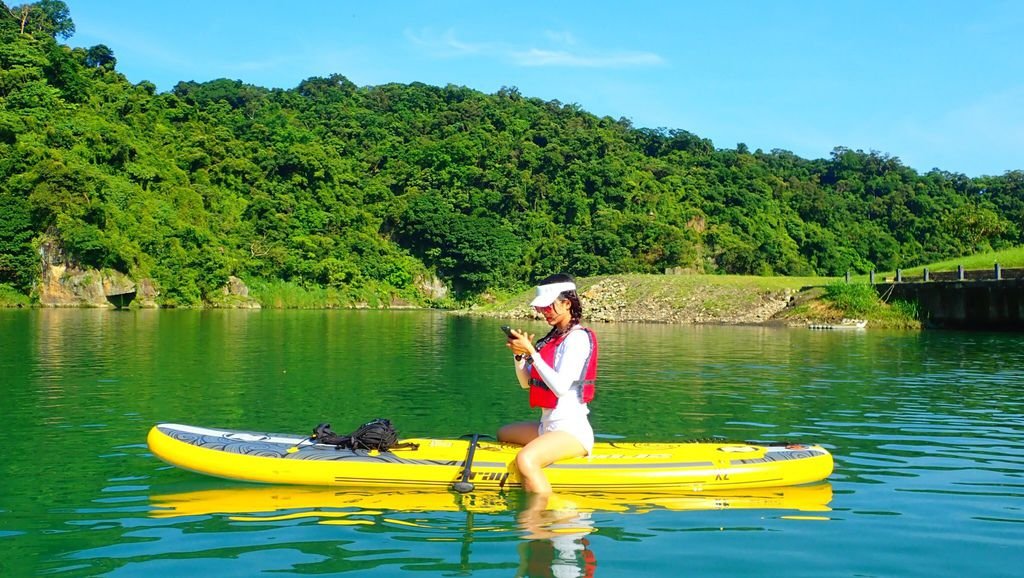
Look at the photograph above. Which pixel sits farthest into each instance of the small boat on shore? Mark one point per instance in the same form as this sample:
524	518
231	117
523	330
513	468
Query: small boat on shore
844	324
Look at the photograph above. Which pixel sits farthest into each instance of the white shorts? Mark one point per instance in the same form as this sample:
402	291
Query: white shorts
578	428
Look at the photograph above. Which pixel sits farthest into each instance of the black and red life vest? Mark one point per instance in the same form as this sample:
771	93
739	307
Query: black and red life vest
540	394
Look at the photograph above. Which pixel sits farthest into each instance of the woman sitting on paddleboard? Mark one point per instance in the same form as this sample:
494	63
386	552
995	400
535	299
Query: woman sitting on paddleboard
559	371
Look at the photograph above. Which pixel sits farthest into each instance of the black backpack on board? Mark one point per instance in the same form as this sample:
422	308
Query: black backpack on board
377	434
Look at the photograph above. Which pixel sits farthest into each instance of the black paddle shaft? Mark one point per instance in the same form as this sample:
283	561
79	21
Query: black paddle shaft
464	486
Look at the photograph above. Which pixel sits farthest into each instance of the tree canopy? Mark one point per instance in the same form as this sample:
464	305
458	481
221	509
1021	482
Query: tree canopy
369	190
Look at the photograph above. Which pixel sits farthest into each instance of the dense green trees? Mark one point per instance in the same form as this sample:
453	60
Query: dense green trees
44	18
368	190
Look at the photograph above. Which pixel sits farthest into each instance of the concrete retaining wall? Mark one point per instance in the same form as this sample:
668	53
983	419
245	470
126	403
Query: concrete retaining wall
995	305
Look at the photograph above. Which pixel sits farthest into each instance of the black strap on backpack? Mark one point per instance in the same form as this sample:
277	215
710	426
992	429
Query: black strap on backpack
377	434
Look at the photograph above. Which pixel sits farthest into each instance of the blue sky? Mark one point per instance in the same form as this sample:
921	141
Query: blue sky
936	83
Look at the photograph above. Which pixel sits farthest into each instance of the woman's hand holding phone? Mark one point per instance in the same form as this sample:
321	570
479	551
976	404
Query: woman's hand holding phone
518	342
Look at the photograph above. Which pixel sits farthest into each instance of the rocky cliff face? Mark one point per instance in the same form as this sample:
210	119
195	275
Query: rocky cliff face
432	287
64	283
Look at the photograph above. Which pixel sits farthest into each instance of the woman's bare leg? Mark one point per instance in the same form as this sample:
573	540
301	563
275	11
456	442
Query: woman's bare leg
542	451
520	433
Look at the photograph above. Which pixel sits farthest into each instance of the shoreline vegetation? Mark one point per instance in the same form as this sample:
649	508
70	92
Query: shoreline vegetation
676	298
630	298
625	298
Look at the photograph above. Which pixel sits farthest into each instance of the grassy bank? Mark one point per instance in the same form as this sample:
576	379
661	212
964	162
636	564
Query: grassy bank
1007	258
856	300
10	297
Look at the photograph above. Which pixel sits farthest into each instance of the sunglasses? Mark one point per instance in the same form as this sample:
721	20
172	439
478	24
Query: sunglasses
544	309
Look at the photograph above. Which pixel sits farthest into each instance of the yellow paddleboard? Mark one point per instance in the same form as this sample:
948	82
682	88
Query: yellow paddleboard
438	463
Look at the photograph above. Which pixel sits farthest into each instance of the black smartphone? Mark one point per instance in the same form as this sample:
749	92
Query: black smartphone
508	331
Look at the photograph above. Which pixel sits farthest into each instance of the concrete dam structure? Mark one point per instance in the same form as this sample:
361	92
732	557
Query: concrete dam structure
965	300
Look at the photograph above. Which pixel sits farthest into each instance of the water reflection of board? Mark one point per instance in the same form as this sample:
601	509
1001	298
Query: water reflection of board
274	503
437	463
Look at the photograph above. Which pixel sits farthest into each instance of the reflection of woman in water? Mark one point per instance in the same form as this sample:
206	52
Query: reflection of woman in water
565	556
556	544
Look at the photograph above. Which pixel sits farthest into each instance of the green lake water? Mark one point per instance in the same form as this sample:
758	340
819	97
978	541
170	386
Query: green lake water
927	430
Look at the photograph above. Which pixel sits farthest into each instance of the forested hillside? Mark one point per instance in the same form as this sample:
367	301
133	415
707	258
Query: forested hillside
371	190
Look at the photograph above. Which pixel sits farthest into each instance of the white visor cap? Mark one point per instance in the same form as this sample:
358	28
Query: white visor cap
546	294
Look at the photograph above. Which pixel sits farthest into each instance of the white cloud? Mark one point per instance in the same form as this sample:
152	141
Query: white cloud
560	37
255	65
460	47
448	45
539	57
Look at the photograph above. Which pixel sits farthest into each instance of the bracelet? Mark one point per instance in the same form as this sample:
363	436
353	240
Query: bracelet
518	357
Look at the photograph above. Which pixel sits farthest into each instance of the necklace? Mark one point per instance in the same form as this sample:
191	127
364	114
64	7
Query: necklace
561	331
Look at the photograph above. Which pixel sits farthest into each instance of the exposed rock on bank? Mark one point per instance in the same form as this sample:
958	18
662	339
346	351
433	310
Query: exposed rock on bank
663	299
62	283
235	295
610	300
